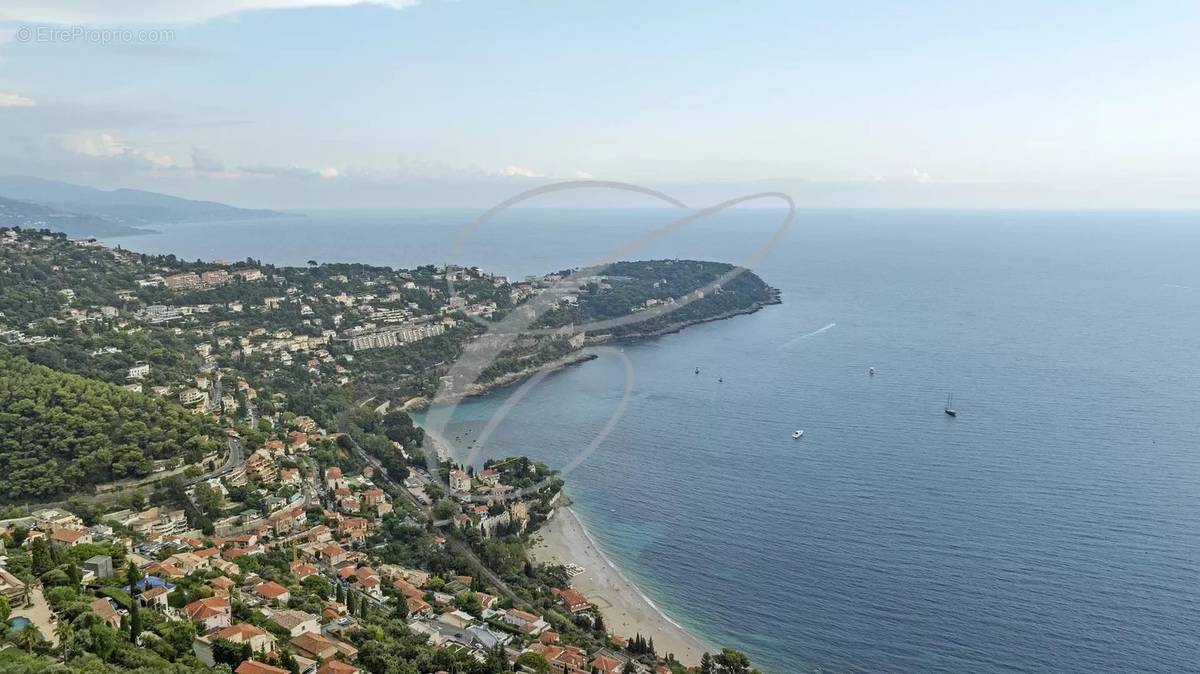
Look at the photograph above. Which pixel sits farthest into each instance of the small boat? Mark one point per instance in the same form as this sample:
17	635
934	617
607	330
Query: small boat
871	371
697	370
798	434
950	411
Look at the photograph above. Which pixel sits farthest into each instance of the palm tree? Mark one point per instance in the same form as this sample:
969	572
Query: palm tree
65	633
26	638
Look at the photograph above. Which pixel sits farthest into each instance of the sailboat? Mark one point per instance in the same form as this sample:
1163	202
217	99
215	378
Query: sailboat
950	411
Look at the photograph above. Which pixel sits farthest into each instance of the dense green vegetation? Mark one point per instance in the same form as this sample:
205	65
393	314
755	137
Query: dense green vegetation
73	316
61	433
661	286
33	284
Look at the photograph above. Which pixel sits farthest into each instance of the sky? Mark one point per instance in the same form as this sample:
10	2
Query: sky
332	104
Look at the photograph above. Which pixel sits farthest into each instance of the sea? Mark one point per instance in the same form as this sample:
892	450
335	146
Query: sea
1053	525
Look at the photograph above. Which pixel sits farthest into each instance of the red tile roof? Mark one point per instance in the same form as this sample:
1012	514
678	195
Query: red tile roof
240	632
337	667
255	667
270	590
606	664
153	592
206	608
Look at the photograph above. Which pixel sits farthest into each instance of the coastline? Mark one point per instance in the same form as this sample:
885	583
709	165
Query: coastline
481	389
682	325
626	609
478	390
564	539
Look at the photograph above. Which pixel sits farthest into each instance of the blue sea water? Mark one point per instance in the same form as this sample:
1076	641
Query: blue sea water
1053	526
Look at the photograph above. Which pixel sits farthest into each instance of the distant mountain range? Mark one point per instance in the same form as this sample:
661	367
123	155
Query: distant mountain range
85	211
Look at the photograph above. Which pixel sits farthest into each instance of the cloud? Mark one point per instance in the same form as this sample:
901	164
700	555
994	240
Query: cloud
205	162
15	101
160	12
520	171
277	171
103	145
107	146
920	176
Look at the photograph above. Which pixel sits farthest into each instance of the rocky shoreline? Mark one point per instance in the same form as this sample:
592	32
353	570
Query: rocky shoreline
476	390
677	327
481	389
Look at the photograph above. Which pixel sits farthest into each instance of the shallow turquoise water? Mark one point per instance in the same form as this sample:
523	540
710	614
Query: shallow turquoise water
1054	525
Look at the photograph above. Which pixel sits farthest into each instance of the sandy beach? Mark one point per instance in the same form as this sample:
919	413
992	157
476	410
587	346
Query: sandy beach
626	611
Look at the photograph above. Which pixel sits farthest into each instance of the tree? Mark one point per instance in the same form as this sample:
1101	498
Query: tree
74	573
135	619
288	662
445	509
706	664
65	632
535	661
227	652
497	661
400	613
73	432
5	609
598	623
26	638
730	661
55	578
39	552
178	634
316	585
96	636
468	602
341	594
209	500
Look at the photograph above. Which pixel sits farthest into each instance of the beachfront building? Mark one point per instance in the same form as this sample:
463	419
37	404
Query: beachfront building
530	624
572	600
460	481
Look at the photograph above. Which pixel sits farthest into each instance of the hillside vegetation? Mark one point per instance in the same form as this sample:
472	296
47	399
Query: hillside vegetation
62	433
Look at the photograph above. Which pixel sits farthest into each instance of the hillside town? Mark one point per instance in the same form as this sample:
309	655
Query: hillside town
292	585
262	501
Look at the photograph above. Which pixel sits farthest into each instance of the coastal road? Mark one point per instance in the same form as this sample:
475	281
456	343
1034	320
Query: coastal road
444	526
237	455
311	485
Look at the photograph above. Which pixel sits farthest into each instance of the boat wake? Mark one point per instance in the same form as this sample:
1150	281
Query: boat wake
814	333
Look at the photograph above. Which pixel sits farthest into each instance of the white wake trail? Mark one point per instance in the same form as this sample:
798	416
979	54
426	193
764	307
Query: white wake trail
811	334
